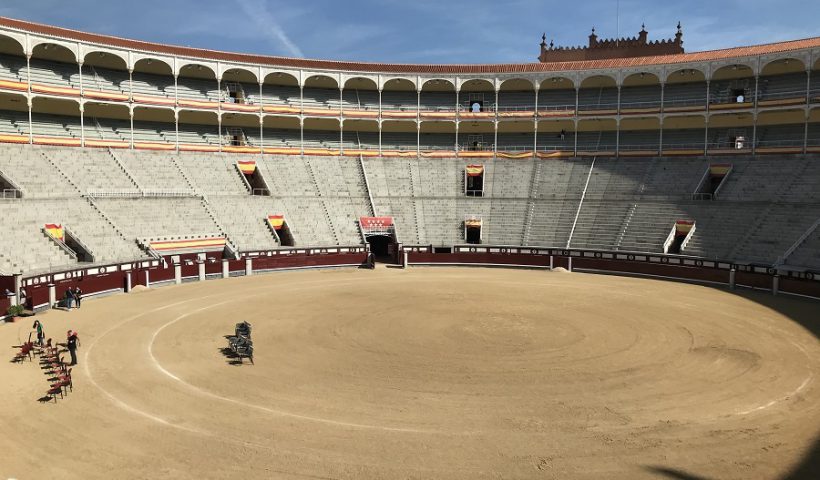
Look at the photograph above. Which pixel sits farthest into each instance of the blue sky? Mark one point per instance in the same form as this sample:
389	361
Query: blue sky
422	31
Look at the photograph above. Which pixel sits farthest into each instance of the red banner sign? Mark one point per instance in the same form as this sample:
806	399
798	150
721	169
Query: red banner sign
372	223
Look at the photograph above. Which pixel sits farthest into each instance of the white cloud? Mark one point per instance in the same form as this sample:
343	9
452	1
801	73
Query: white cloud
257	12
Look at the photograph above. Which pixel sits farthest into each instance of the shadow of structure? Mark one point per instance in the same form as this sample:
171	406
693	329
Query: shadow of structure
806	313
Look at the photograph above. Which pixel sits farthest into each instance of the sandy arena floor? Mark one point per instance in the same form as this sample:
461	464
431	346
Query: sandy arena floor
426	373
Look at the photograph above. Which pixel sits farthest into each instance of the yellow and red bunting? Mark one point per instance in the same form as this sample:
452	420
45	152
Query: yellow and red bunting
474	170
472	223
683	227
246	166
55	231
719	169
199	243
276	221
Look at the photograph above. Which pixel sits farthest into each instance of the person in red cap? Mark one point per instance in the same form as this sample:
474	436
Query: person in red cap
72	343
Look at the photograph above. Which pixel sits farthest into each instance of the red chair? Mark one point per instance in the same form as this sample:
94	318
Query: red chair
25	352
64	381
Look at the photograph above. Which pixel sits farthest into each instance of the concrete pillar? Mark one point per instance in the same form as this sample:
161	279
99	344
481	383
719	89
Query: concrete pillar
404	259
201	271
177	273
732	278
18	284
775	284
248	266
52	295
147	279
127	282
226	269
569	264
552	262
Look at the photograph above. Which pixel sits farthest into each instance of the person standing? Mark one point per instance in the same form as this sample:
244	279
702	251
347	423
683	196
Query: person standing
72	342
78	296
69	298
40	335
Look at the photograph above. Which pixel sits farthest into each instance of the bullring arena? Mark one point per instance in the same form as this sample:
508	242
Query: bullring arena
425	373
603	264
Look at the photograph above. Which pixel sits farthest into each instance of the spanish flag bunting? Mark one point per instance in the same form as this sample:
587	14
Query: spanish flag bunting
55	231
473	222
247	166
475	170
276	221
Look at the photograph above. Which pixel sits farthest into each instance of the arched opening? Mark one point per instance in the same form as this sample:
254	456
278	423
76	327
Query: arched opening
598	95
556	136
782	82
813	139
476	137
477	96
199	128
321	95
438	99
54	118
641	93
685	91
13	115
240	87
556	97
105	71
437	136
684	135
515	136
53	64
639	136
197	82
597	136
12	60
399	99
154	125
280	132
781	130
107	122
360	135
361	97
281	90
398	137
240	130
732	87
153	78
322	135
731	133
516	95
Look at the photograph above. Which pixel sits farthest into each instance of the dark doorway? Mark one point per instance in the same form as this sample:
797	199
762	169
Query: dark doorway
383	248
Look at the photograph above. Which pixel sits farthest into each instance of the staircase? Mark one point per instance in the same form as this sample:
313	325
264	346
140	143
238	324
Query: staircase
125	170
534	182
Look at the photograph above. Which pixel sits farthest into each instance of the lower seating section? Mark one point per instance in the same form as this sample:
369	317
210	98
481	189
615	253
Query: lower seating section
109	199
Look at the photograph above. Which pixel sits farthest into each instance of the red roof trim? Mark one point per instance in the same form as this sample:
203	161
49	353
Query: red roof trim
397	68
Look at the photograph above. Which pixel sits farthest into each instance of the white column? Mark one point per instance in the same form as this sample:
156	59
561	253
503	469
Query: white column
176	127
226	268
535	122
201	270
127	282
147	279
177	273
28	99
52	295
131	119
732	278
775	284
248	266
82	123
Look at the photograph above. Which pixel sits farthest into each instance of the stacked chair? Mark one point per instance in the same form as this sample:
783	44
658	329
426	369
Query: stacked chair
51	360
240	343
